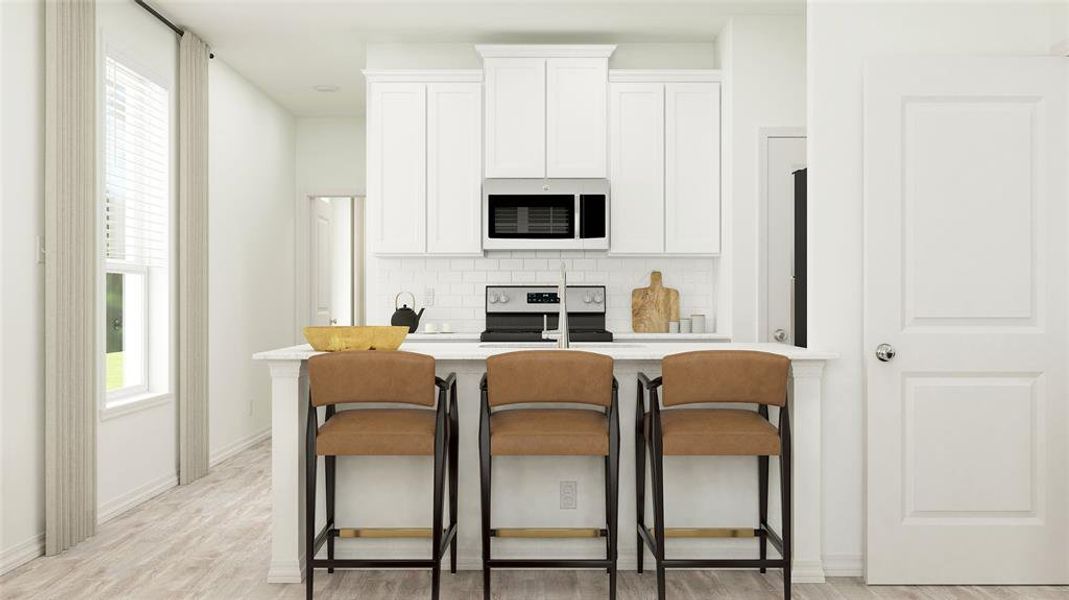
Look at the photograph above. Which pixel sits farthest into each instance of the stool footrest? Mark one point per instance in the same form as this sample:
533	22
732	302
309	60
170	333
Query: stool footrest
385	532
549	563
548	532
349	563
707	532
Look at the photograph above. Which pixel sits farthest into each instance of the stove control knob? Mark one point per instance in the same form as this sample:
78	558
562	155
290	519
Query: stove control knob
587	299
504	299
598	298
493	298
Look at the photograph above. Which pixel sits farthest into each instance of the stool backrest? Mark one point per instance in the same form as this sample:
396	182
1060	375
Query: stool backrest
549	376
371	376
725	376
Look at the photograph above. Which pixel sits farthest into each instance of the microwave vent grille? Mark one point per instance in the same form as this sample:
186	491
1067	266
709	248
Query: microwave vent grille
539	220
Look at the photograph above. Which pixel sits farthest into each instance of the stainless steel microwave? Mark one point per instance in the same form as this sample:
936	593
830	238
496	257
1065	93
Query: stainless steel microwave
541	214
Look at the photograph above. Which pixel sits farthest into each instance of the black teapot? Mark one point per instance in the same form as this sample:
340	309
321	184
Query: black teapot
405	315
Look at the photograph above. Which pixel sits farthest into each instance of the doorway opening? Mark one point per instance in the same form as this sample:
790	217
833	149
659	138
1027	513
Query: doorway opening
335	260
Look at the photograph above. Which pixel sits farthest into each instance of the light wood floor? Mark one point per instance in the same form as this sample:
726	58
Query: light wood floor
211	540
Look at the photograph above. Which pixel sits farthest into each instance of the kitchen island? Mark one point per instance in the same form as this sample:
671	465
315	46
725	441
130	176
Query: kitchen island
396	491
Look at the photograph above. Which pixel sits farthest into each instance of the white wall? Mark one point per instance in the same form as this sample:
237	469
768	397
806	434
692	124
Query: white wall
251	239
462	55
21	314
330	162
763	59
136	451
841	35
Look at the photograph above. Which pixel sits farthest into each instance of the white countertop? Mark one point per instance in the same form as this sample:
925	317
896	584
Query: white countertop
625	336
621	351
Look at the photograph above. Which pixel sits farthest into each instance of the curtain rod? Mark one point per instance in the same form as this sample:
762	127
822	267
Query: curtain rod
175	28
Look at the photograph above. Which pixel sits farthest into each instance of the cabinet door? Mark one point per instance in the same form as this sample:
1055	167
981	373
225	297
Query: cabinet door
454	168
515	117
576	99
636	142
397	151
692	168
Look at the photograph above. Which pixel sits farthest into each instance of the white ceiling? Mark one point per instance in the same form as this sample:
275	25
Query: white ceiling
287	47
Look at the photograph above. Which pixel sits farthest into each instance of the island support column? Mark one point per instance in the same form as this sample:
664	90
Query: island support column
289	386
805	390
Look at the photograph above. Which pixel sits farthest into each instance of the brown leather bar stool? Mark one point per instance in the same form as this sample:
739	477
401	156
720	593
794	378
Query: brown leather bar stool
715	376
421	429
507	428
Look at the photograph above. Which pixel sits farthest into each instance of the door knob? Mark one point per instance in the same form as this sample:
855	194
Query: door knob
779	335
885	352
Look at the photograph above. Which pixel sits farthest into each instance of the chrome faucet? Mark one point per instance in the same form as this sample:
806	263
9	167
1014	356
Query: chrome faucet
561	333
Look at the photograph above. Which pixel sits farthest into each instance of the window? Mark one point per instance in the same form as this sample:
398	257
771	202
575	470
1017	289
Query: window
136	229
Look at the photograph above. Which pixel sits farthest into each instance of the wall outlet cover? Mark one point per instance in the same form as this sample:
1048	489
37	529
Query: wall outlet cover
569	495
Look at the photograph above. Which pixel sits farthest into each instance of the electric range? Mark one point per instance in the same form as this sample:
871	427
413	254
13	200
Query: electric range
518	313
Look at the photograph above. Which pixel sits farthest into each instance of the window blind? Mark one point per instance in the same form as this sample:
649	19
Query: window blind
136	177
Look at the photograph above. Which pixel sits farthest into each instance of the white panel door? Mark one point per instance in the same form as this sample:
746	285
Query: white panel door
321	269
454	168
692	168
576	100
515	117
636	114
965	277
784	156
397	154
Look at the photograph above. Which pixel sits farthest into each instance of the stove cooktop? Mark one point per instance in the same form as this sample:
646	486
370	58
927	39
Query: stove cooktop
514	335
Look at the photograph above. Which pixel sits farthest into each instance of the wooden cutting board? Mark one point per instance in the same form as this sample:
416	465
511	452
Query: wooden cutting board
654	306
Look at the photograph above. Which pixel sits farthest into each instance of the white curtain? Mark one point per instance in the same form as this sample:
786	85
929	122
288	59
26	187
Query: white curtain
192	258
71	251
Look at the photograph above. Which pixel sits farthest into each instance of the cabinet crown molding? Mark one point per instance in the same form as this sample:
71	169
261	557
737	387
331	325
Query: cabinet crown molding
545	50
665	75
422	75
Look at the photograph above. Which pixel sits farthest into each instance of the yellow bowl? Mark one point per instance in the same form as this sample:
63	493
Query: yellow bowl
339	339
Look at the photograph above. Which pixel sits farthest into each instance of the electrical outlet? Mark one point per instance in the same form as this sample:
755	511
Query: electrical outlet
569	495
428	296
252	404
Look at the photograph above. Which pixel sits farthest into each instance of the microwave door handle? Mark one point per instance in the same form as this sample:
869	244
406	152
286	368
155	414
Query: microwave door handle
578	216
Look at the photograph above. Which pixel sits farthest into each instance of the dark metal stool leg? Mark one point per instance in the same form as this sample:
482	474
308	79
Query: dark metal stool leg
657	464
762	504
331	472
439	492
612	475
454	441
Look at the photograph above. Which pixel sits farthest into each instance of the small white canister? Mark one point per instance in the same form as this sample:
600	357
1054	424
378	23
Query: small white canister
697	323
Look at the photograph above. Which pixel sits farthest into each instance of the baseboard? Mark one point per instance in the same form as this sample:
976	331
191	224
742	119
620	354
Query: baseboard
20	554
844	565
237	447
134	498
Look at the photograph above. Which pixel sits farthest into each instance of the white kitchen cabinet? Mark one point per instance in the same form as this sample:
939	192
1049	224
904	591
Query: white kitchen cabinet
515	117
424	157
454	168
546	110
397	170
636	114
576	117
692	167
664	147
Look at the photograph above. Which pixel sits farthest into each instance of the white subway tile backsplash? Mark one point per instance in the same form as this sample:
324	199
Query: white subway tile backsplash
460	282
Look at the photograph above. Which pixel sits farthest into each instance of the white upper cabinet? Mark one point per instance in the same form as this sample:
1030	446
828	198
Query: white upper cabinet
576	117
515	117
636	114
424	157
396	173
692	168
454	168
664	144
546	110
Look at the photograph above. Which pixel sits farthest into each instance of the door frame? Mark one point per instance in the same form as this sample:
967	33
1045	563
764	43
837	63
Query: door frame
302	221
764	135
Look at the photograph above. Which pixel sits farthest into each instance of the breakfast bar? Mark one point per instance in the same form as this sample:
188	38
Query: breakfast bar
719	493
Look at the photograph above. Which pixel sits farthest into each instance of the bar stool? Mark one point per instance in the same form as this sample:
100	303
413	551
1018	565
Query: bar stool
402	378
715	376
556	376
